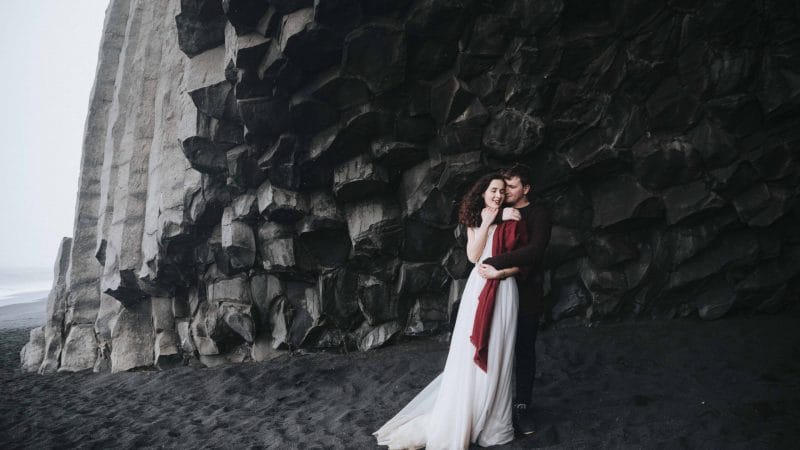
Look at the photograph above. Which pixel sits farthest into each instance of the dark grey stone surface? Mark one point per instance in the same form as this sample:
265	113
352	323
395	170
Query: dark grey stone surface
324	147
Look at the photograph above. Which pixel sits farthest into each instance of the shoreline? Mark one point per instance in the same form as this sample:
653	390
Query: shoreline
19	298
25	315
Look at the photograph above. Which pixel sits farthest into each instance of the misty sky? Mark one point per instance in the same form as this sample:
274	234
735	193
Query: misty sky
48	50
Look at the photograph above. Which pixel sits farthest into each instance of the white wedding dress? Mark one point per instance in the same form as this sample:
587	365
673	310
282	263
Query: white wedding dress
464	404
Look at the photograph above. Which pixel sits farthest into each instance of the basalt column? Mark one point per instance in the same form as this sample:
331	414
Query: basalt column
262	176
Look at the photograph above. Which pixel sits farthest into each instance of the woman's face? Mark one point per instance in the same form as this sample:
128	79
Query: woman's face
494	195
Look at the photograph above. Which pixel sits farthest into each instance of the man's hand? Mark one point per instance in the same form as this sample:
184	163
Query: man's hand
511	214
488	272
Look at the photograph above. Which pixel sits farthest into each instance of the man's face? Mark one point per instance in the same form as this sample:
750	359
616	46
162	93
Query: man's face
515	190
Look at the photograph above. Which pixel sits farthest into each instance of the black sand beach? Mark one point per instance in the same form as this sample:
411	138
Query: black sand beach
732	383
24	315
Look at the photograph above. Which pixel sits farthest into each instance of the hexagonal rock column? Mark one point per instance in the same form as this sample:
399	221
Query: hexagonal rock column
450	97
223	323
245	207
309	116
247	51
204	329
422	199
204	155
661	162
133	338
374	227
418	278
268	296
571	298
377	300
621	198
322	234
512	134
338	89
276	247
424	242
306	43
606	288
461	114
427	316
56	310
244	15
424	286
376	54
488	39
32	352
369	338
280	205
80	349
358	178
201	26
338	14
238	241
279	162
456	264
305	325
346	140
276	75
398	155
243	170
126	166
762	204
734	249
338	297
209	122
166	345
461	170
215	100
263	116
685	201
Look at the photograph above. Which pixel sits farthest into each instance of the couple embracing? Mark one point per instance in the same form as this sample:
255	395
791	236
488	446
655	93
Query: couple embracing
472	400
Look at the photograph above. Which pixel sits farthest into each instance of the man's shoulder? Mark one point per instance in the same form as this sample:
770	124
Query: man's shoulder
535	207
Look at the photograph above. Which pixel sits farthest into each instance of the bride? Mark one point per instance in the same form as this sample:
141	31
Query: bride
470	401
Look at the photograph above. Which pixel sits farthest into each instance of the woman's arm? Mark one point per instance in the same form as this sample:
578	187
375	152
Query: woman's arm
476	240
476	237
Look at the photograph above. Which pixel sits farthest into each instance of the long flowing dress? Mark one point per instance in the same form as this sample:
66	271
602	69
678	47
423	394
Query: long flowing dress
464	404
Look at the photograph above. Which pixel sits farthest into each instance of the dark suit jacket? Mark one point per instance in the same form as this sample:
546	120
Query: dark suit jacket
529	256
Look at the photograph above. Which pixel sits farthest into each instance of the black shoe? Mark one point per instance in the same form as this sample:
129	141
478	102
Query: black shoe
523	419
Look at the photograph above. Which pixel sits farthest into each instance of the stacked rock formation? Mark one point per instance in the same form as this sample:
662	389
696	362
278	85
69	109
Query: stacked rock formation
263	175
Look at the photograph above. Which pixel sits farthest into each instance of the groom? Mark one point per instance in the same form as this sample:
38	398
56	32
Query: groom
531	304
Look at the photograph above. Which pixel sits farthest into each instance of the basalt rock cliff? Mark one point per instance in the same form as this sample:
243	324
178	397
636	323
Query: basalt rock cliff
259	176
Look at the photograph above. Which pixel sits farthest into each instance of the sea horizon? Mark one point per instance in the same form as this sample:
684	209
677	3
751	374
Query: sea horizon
24	284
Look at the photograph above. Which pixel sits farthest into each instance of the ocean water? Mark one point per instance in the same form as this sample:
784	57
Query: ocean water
24	285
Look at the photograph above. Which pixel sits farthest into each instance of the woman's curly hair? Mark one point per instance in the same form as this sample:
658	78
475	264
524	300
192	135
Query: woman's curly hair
469	212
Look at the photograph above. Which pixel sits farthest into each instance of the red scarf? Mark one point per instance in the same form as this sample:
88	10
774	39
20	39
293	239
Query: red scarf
507	236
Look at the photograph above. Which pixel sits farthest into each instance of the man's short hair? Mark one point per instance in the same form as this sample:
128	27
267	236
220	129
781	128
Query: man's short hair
518	170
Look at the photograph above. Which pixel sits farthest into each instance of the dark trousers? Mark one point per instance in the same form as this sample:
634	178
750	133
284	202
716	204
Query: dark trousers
525	356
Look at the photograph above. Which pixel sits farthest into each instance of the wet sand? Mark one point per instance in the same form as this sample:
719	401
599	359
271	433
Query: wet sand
24	315
732	383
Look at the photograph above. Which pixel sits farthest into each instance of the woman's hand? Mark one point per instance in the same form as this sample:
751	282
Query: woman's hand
488	215
488	272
